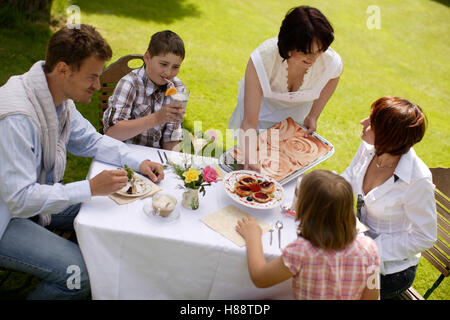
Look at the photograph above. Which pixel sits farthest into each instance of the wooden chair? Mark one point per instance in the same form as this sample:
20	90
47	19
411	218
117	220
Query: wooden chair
439	254
109	79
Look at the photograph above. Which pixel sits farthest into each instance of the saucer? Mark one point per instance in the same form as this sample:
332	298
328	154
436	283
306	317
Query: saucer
149	212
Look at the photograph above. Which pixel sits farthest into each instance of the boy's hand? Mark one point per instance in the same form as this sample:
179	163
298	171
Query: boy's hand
249	229
171	112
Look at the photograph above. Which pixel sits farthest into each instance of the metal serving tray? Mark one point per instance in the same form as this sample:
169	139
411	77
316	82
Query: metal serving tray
227	161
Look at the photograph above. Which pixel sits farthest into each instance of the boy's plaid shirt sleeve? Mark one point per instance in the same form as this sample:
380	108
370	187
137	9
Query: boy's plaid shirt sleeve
120	104
172	132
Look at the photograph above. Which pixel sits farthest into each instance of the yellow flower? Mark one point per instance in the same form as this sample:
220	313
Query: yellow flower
191	175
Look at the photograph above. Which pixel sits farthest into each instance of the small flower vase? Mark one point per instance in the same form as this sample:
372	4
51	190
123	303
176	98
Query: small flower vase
190	199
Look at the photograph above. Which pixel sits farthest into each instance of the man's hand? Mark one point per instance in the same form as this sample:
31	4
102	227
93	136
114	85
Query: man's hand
153	170
108	181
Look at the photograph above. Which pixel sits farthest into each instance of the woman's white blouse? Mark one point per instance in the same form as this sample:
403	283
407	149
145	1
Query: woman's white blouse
401	213
277	102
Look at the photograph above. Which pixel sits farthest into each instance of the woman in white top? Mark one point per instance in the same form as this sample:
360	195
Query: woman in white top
292	75
394	189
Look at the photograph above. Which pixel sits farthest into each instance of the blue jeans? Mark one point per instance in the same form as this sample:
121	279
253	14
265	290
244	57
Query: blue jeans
394	284
28	247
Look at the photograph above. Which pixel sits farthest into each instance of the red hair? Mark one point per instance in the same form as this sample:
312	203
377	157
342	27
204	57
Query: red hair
397	123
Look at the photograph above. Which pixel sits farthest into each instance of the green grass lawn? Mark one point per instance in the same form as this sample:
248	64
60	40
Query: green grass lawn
407	57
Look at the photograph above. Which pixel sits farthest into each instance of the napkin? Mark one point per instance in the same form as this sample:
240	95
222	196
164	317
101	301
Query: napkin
225	220
119	199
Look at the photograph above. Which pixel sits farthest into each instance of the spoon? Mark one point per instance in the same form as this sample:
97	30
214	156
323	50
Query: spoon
279	226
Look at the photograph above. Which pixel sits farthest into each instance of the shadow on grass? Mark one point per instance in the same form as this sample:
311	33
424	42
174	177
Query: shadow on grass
166	11
444	2
22	43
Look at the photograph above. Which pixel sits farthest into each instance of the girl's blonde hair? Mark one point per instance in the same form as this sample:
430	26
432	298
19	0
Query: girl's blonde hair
325	210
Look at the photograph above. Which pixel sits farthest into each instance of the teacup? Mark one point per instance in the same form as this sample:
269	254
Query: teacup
163	204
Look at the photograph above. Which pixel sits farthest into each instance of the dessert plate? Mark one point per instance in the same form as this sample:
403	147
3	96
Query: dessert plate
143	186
233	177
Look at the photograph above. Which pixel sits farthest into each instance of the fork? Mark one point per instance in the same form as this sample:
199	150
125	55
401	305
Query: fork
159	154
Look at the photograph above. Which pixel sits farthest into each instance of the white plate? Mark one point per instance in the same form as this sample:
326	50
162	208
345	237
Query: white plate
143	186
233	177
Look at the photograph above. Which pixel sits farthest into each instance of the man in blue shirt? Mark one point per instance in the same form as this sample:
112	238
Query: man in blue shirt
39	123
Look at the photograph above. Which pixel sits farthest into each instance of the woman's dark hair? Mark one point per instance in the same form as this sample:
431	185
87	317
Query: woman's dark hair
300	28
325	210
165	42
72	46
397	124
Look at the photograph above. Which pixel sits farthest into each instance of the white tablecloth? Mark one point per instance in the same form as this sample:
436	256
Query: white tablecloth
130	256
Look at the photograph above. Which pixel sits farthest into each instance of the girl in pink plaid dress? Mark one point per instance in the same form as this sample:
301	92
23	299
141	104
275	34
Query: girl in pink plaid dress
329	259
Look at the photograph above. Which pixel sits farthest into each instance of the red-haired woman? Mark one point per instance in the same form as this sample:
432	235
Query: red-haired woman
394	190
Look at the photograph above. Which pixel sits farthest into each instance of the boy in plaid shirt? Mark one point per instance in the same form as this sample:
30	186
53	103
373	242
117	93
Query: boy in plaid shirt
139	97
